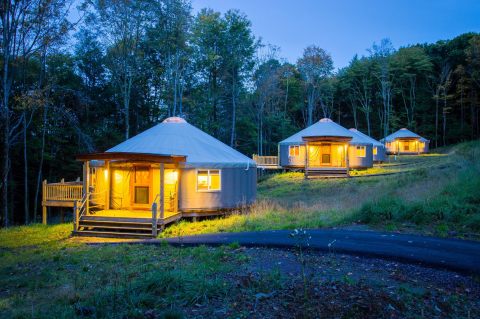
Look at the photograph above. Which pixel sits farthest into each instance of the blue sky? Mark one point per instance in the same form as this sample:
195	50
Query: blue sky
344	28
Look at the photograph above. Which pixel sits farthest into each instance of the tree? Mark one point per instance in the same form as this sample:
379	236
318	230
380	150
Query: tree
122	24
315	66
381	55
28	27
410	65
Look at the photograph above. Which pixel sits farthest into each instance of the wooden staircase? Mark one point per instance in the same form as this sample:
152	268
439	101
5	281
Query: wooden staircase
326	173
114	228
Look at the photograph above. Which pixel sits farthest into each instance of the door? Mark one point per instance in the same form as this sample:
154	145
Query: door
141	187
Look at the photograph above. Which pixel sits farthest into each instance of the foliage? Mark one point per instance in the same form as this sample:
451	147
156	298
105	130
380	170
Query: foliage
130	64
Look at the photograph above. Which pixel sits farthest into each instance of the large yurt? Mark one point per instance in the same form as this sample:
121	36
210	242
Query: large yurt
199	173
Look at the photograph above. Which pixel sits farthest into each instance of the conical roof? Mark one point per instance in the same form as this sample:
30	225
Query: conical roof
365	137
403	133
175	136
324	127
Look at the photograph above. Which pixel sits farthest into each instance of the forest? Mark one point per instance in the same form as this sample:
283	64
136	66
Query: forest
82	83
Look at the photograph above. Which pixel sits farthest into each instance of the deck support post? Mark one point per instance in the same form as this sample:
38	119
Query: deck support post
44	203
347	162
75	216
307	162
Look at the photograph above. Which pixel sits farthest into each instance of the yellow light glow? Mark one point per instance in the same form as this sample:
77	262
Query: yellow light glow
105	173
118	177
171	177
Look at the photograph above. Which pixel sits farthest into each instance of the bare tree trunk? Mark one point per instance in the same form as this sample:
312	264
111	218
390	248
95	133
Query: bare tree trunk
436	116
25	166
234	111
40	166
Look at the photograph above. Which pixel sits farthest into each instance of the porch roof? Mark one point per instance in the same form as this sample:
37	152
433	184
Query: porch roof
126	156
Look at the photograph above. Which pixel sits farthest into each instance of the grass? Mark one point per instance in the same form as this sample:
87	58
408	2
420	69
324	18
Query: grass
46	274
43	274
432	194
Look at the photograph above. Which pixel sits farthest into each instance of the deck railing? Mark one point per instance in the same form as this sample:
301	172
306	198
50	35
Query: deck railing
265	160
63	191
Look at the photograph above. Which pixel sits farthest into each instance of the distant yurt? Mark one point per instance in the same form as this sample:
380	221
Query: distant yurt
324	148
196	173
405	141
379	152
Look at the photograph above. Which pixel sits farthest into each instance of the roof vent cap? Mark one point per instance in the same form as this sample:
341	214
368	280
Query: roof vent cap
174	119
403	129
325	120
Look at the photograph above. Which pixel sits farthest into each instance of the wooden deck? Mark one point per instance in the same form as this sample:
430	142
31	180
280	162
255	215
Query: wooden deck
266	162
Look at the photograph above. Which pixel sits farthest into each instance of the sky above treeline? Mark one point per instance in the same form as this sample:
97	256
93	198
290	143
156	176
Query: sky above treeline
345	28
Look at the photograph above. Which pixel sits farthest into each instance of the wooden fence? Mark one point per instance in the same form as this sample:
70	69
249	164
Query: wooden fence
265	160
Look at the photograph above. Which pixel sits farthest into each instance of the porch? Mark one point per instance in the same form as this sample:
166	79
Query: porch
326	156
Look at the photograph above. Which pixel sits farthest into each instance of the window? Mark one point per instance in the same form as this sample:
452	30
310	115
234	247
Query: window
294	150
406	147
361	151
208	180
375	151
141	195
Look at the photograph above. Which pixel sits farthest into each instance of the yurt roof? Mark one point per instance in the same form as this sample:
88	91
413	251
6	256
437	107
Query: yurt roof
176	136
365	137
324	127
403	133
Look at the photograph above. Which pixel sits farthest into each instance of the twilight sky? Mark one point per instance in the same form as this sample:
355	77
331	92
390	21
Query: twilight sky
344	28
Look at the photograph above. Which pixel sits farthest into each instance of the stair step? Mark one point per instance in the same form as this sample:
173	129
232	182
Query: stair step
116	227
115	224
83	219
92	233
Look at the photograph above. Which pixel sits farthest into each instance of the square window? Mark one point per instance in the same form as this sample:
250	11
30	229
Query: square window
294	150
361	151
325	158
208	180
141	194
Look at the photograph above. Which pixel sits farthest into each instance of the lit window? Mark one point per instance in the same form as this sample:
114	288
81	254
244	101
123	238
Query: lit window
294	150
208	180
361	151
406	147
375	151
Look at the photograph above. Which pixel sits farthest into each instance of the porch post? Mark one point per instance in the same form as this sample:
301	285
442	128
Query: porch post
162	190
109	178
307	162
347	162
87	187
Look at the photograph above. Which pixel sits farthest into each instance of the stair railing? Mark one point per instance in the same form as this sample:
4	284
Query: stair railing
79	209
155	216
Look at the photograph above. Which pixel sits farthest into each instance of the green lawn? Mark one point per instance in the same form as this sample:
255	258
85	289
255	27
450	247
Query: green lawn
46	274
436	194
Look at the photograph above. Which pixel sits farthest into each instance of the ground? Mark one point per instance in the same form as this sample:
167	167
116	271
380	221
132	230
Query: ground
46	274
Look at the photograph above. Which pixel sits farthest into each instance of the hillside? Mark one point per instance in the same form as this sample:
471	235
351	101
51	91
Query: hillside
435	194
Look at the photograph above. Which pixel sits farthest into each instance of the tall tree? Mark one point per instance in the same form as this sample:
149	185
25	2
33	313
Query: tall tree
315	66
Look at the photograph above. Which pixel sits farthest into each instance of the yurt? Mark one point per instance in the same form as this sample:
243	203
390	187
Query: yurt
379	153
405	141
174	164
320	149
